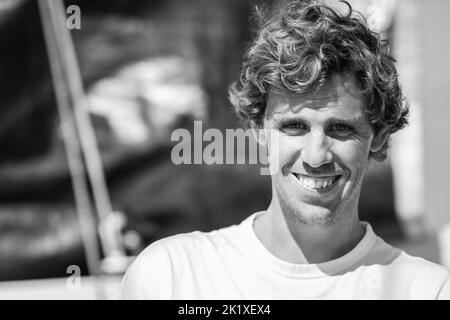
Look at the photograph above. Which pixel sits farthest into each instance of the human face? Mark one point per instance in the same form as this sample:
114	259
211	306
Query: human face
324	141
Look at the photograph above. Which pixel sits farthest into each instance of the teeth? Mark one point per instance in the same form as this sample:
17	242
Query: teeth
315	183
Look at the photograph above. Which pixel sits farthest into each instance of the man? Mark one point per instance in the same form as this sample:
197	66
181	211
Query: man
325	86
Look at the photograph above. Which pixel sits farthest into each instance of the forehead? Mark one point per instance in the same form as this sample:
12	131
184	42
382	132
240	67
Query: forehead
339	97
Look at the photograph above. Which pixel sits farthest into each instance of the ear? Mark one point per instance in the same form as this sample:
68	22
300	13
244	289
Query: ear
259	133
379	139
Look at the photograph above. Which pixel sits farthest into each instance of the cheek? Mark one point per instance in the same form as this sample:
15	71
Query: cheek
354	155
287	148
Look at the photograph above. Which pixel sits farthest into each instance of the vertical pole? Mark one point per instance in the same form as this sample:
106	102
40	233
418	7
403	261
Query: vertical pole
407	152
73	149
434	26
108	227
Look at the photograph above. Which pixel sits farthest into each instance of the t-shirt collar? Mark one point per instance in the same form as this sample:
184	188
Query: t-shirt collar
259	253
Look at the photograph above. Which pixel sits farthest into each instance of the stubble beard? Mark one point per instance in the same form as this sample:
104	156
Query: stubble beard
309	214
318	215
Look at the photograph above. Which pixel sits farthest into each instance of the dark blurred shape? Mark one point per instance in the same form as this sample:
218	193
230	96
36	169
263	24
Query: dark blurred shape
27	110
158	197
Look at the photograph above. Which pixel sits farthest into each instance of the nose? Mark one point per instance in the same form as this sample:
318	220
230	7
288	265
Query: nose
316	152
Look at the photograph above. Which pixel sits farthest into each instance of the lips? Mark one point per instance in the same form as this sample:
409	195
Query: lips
323	183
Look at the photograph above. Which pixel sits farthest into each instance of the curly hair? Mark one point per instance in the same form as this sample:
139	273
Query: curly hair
301	46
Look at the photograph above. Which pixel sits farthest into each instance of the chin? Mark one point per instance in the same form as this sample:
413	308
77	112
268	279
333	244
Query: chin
310	207
309	214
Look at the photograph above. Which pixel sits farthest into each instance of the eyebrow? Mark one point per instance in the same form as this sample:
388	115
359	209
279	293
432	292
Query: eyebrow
356	121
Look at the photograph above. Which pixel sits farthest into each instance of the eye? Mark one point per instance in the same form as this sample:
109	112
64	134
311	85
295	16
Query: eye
340	130
294	128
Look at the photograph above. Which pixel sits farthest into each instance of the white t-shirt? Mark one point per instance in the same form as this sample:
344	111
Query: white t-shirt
231	263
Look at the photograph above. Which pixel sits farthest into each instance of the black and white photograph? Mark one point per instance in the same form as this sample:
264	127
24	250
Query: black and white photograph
224	150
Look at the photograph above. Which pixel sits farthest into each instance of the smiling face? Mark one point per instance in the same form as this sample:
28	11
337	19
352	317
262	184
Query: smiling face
324	141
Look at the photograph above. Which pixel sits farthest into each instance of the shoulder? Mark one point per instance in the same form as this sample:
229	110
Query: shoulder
427	278
421	268
190	247
197	242
403	263
424	279
162	263
150	276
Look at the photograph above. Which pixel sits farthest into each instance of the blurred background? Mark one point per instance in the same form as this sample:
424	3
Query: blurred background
91	188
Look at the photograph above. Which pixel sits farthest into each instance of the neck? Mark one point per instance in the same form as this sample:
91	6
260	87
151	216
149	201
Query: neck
291	240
